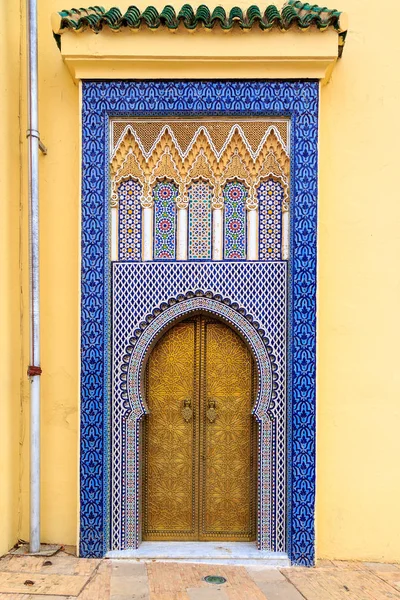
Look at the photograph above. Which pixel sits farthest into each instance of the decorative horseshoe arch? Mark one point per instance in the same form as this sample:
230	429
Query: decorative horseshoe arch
138	351
168	314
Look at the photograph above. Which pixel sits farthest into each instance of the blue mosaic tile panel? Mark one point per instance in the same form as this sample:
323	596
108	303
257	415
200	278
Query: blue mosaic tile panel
297	100
270	200
200	197
235	196
130	212
165	194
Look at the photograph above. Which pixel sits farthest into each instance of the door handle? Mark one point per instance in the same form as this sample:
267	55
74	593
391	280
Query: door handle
187	412
212	411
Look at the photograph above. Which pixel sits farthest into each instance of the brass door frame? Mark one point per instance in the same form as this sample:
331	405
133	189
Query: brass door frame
199	407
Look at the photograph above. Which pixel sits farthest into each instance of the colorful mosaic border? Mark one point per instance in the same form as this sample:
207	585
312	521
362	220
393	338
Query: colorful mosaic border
100	100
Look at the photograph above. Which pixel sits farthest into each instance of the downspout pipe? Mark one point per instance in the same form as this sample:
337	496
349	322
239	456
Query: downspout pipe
34	370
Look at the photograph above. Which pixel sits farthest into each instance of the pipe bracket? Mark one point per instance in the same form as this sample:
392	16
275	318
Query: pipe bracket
33	371
35	133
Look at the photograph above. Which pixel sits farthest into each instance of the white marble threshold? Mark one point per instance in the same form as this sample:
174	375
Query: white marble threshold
220	553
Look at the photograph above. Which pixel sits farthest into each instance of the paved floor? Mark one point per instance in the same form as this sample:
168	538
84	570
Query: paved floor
65	577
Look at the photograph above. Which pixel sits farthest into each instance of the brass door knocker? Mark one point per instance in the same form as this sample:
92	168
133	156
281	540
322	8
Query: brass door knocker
212	411
187	411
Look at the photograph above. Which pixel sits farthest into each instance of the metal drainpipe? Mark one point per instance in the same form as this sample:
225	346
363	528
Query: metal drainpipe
34	370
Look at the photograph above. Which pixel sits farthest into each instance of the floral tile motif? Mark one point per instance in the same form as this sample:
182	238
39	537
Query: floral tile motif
130	210
164	197
270	200
200	198
235	197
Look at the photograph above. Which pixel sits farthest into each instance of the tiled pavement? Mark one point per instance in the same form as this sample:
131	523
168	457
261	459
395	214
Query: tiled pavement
65	577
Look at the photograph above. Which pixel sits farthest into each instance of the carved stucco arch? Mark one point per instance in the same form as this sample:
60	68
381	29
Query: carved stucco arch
173	311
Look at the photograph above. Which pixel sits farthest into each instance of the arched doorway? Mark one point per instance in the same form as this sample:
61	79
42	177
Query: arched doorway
200	436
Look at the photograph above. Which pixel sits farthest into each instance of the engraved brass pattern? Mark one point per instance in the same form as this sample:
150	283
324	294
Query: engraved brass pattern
170	440
199	480
226	470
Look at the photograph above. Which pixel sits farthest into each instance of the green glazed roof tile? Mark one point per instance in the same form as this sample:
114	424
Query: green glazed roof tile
293	14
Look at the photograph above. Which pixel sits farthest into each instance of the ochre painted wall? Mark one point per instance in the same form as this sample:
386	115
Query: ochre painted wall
59	235
60	243
358	477
10	281
358	473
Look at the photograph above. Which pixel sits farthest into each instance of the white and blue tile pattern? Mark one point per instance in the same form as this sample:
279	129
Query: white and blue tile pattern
150	297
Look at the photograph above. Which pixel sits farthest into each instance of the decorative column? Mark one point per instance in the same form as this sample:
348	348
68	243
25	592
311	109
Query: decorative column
147	228
182	230
285	231
114	250
252	228
217	208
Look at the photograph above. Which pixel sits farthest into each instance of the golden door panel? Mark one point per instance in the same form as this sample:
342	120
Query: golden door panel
170	439
227	469
199	436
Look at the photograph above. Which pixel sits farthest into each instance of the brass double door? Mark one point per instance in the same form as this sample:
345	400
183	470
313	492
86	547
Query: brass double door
199	464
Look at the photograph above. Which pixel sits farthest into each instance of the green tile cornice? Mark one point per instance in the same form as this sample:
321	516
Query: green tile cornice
293	14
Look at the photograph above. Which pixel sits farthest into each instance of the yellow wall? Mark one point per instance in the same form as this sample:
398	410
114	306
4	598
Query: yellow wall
358	476
10	364
59	201
59	180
